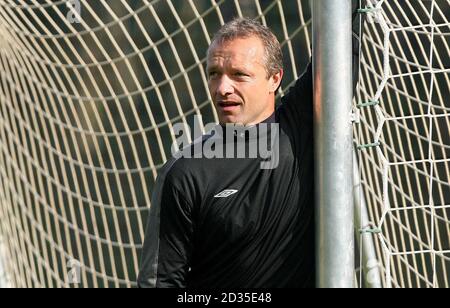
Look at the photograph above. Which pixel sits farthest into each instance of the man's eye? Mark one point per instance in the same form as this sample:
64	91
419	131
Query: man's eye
241	75
212	74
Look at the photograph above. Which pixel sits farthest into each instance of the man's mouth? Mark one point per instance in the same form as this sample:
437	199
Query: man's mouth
229	106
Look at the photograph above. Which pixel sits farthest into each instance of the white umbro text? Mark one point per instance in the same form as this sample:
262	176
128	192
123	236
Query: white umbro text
226	193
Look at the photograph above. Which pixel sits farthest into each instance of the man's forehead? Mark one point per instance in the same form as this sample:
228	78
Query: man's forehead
246	50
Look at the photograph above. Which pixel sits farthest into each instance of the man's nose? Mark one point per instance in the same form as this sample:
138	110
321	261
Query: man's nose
225	86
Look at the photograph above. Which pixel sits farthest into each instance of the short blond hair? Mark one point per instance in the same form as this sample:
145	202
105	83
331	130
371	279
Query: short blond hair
246	27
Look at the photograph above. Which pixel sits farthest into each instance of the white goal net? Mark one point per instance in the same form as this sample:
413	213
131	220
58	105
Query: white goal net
89	95
404	139
90	92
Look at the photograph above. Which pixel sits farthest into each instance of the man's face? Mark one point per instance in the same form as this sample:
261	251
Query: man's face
238	82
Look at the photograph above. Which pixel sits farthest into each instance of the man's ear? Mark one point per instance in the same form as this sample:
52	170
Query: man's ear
275	81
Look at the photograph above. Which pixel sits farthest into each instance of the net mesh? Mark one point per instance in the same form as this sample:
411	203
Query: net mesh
404	139
88	100
89	97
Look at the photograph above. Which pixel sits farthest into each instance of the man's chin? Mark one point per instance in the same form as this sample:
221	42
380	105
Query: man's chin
230	119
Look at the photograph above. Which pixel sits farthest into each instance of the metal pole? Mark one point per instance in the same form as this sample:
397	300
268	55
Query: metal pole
332	36
370	264
3	276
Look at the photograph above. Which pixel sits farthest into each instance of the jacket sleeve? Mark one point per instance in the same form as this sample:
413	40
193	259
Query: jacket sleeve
299	99
168	242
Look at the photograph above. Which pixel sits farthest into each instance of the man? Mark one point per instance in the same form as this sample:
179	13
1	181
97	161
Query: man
228	223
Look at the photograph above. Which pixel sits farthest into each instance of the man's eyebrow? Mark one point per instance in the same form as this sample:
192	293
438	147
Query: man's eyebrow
235	67
211	68
240	68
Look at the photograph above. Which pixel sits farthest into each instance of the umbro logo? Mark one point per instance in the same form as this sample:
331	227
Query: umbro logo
226	193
